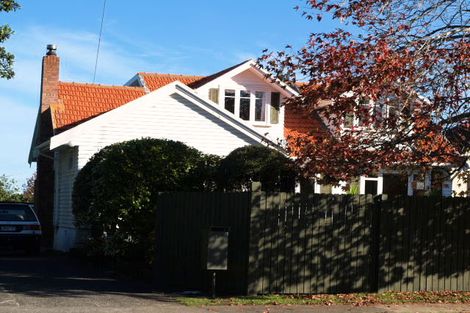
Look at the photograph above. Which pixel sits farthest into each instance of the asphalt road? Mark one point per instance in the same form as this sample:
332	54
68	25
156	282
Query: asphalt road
53	284
63	284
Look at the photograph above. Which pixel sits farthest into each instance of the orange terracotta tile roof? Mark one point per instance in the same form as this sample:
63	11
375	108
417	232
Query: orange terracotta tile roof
154	81
300	124
80	102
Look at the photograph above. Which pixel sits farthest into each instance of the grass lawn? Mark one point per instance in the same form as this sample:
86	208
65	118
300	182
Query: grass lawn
357	299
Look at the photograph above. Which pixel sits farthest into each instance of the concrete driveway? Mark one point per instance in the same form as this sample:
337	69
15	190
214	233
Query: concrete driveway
53	284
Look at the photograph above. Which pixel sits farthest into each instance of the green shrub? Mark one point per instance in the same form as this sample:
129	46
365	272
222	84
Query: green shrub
115	193
354	188
244	165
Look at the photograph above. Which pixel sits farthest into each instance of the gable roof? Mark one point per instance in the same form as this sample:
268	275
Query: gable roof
153	81
207	79
79	102
69	136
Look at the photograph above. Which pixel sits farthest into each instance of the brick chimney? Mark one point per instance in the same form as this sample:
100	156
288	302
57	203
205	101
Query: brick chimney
50	78
44	189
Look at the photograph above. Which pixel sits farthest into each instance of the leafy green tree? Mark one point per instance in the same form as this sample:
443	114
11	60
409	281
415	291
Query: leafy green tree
115	193
6	58
28	189
244	165
8	190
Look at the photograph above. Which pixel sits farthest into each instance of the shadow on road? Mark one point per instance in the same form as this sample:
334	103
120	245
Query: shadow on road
63	276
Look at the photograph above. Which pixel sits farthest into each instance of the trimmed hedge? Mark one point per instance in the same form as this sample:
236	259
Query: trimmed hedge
115	193
244	165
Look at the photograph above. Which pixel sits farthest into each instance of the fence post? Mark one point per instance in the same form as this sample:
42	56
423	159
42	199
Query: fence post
375	269
254	279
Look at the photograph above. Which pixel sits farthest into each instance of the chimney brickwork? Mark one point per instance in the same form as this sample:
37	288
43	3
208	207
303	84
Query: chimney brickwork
44	193
50	81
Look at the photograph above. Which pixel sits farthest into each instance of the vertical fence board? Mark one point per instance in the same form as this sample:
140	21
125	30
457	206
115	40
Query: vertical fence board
314	249
465	244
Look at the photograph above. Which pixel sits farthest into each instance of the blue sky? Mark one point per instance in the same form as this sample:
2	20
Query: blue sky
188	37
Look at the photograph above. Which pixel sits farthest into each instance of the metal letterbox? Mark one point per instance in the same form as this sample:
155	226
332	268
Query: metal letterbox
217	249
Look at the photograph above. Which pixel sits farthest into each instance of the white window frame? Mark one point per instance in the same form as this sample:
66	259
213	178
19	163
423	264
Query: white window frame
355	123
266	101
251	97
266	106
235	100
378	179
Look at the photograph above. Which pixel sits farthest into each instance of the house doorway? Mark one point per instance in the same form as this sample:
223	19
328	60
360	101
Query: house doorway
371	187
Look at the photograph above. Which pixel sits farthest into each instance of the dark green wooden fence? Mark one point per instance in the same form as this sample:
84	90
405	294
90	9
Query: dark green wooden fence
311	244
294	243
183	223
424	244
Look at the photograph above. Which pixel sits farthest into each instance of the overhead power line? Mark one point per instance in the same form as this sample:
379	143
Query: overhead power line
99	40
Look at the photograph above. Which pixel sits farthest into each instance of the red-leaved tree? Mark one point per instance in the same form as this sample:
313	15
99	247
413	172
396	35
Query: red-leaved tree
397	86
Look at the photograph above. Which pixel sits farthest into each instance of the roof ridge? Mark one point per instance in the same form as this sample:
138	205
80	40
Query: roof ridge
101	85
172	74
213	76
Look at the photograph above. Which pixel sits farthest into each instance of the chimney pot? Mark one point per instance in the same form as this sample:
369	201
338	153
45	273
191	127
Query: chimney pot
51	49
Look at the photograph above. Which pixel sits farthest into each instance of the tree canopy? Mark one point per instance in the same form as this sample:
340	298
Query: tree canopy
399	81
10	192
6	58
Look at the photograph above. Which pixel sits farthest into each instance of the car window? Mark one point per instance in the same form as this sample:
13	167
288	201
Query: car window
16	213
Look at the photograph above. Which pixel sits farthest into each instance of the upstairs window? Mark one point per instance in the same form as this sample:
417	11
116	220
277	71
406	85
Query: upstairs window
260	107
349	120
245	105
361	116
230	100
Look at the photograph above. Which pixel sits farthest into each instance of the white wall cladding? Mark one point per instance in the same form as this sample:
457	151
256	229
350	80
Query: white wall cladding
165	114
66	167
172	117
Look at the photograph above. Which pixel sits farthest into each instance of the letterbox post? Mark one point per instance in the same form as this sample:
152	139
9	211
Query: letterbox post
217	252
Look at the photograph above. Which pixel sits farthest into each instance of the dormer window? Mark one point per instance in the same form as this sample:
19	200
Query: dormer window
365	111
245	104
230	100
260	107
362	115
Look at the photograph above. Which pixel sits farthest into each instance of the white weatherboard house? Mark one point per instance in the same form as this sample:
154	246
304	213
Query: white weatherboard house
216	114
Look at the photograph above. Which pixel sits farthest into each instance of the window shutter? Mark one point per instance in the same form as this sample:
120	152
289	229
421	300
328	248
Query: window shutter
214	95
275	105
